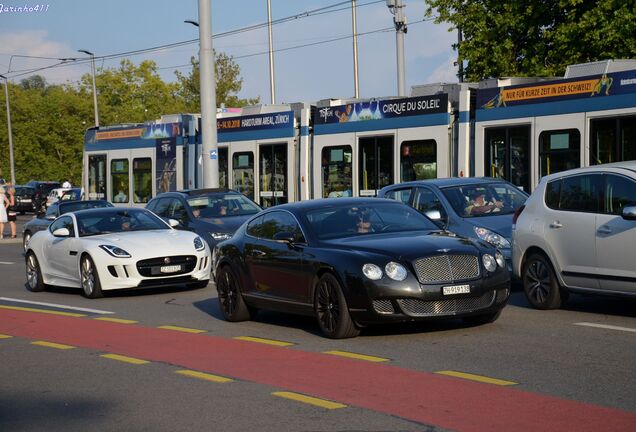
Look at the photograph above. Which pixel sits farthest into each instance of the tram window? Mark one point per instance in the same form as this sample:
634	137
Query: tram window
142	180
223	183
375	164
243	173
273	174
336	172
119	180
97	177
612	140
508	154
559	150
418	160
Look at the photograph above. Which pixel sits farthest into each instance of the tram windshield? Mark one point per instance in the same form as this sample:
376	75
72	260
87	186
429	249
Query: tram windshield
491	199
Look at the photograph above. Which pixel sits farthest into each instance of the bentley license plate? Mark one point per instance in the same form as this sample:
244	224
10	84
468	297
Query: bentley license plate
170	268
456	289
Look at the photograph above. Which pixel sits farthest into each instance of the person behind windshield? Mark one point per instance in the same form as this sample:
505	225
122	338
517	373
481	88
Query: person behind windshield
479	205
220	208
363	224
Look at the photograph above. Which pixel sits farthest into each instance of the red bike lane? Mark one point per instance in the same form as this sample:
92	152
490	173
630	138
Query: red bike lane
422	397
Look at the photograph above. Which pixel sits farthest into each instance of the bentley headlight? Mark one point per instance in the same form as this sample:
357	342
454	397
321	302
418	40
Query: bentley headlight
501	261
395	271
219	236
115	251
492	238
489	262
198	243
372	271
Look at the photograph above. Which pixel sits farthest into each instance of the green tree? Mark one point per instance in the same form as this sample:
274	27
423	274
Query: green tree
537	38
228	84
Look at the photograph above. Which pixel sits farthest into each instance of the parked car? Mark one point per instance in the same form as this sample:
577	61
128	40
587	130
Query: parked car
43	220
54	195
353	262
472	207
577	233
42	189
24	199
214	214
104	249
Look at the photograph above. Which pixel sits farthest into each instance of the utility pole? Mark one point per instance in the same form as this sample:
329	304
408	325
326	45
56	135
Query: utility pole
356	90
399	19
11	162
460	63
272	85
208	97
94	86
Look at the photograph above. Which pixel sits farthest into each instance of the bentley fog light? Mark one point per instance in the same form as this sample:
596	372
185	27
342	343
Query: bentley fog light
492	238
501	261
115	251
395	271
372	271
489	262
198	243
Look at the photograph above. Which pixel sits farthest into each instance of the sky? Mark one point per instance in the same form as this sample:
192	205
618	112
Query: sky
317	70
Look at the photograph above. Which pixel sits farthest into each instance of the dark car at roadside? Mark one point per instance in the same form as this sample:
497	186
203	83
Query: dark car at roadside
42	189
472	207
214	214
23	200
56	209
354	262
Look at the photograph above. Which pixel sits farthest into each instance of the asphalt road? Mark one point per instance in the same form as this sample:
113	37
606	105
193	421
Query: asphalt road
575	363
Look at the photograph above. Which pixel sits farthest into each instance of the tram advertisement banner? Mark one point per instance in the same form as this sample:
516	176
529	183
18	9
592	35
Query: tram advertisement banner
610	84
279	120
166	164
155	131
382	109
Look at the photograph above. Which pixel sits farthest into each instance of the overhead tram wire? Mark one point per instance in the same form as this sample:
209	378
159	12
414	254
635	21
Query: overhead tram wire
314	12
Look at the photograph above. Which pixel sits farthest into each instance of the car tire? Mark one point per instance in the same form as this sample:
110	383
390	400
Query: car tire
25	239
35	282
228	287
486	318
89	278
540	283
331	309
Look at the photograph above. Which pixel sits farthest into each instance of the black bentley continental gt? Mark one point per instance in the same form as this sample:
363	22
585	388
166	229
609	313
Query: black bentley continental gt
353	262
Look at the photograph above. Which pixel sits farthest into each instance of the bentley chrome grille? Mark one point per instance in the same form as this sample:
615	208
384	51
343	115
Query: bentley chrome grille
383	306
447	268
417	307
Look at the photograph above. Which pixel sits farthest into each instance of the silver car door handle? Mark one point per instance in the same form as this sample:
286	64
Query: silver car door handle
256	252
556	224
605	230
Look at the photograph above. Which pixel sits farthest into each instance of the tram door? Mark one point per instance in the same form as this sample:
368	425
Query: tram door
243	173
273	174
508	155
375	159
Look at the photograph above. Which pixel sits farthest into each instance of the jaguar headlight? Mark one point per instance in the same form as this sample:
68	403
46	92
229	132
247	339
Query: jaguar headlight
489	262
219	236
198	243
501	261
492	238
115	251
372	271
395	271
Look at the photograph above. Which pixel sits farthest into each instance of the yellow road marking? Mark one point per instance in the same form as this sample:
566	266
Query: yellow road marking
52	345
124	359
204	376
116	320
264	341
479	378
309	400
4	336
182	329
357	356
42	311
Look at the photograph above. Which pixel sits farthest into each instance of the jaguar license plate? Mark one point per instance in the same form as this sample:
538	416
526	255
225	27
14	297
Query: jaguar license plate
456	289
170	268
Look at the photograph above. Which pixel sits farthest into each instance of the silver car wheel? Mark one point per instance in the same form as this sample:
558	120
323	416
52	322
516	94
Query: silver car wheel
25	240
88	277
539	281
33	272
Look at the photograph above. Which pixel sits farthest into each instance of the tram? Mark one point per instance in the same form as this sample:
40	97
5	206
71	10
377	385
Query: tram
519	129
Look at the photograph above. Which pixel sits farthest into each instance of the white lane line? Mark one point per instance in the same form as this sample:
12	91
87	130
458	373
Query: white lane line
56	305
604	326
7	262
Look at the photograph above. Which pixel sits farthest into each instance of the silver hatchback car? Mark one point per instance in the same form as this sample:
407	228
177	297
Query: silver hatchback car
577	233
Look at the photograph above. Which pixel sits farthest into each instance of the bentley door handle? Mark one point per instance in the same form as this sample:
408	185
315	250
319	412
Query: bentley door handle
556	224
256	252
